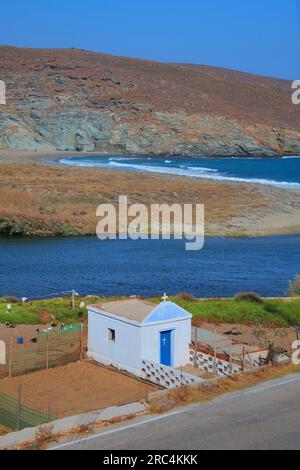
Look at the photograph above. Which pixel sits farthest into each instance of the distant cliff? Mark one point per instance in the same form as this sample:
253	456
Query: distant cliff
73	100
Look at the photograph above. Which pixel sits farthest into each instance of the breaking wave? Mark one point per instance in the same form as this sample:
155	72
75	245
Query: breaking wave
175	168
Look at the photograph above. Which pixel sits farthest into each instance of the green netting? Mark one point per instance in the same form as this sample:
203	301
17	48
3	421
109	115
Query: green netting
28	416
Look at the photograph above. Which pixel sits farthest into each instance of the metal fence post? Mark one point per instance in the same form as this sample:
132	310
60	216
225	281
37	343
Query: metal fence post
47	351
19	407
49	412
196	347
10	357
81	341
230	357
215	353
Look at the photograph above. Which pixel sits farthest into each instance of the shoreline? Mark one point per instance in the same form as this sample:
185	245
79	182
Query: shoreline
68	196
7	155
291	186
54	159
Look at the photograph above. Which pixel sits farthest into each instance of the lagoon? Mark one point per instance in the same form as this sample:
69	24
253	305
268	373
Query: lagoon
44	267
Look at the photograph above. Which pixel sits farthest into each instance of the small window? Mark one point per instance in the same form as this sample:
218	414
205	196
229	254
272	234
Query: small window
111	335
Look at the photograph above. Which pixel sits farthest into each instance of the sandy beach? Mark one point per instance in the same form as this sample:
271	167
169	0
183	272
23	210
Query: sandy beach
37	195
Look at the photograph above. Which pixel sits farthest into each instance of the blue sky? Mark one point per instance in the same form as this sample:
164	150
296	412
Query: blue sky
259	36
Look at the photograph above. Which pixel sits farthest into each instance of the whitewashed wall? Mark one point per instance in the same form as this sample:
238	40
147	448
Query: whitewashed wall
135	343
181	339
2	353
125	353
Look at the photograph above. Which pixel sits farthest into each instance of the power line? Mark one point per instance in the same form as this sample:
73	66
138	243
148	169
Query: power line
73	292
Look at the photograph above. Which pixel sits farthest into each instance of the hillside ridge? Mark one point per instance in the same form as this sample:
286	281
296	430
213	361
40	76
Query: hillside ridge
77	100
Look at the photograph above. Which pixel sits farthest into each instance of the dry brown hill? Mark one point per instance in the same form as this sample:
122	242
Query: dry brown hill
78	100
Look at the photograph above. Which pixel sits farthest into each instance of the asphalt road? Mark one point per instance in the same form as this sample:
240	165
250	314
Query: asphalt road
265	417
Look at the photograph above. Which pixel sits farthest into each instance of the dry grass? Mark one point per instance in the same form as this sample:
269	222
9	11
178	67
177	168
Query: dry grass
121	419
43	199
168	401
45	436
84	429
215	388
4	430
241	382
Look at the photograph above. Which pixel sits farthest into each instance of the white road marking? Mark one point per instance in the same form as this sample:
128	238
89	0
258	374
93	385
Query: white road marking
123	428
268	387
175	413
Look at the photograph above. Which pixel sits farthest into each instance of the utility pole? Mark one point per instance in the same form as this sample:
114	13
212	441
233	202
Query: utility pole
73	298
81	341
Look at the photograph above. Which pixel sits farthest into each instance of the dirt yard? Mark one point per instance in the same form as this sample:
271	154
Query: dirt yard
76	389
26	331
253	335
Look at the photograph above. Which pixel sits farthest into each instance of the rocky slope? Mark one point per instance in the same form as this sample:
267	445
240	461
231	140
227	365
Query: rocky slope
73	100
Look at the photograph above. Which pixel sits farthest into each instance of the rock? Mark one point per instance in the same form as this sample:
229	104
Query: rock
60	81
112	80
141	106
132	86
16	134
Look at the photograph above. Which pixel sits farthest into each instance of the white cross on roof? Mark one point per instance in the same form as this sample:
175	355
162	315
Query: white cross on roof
165	297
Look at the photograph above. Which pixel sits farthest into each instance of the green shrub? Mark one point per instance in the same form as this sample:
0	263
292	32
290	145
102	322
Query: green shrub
186	296
294	287
249	297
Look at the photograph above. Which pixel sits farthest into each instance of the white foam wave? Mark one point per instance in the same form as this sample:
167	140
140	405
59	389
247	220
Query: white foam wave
291	157
182	170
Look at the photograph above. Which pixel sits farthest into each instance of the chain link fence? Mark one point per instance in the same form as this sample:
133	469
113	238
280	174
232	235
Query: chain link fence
48	349
22	407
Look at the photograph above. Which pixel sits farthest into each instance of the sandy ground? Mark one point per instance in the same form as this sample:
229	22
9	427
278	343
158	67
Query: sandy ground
4	430
252	335
48	194
77	388
26	331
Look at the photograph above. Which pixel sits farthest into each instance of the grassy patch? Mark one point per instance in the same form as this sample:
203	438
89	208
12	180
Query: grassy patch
31	313
268	312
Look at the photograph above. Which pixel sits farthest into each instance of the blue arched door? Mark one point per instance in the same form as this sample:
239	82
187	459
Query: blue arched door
165	348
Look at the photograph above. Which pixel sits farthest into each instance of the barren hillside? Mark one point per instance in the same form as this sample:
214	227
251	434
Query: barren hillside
74	100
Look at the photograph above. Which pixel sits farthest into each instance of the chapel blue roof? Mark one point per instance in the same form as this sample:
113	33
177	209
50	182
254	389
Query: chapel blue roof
167	311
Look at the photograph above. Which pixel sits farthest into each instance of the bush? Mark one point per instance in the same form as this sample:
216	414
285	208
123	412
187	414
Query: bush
186	296
12	300
166	402
248	297
45	435
181	395
294	287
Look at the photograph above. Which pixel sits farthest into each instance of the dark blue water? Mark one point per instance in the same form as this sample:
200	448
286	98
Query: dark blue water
40	267
280	172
